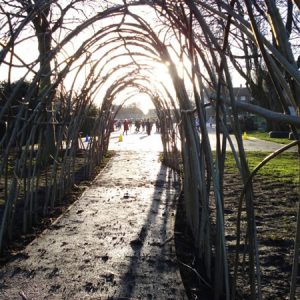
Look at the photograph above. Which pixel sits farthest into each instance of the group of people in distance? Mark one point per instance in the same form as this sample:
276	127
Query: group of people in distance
140	125
143	125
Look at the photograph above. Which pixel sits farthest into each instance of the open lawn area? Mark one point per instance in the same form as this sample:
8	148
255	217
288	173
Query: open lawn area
285	167
265	136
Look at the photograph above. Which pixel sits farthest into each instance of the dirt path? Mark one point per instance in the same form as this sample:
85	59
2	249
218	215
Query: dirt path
115	242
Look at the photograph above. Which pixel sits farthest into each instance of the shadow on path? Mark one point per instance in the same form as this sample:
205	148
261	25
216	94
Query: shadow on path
149	248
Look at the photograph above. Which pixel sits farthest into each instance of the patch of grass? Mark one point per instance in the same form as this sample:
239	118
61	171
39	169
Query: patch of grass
265	136
109	154
285	167
161	157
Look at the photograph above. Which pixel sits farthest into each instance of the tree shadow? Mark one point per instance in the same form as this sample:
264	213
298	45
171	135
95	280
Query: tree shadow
157	239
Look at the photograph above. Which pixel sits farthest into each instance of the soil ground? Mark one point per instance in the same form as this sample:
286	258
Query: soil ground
276	205
276	210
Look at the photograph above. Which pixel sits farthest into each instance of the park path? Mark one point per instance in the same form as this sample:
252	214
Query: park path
115	242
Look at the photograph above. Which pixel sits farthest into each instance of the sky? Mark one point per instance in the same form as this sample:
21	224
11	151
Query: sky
28	52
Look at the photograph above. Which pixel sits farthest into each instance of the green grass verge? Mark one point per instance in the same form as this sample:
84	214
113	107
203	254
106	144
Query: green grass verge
265	136
285	167
109	154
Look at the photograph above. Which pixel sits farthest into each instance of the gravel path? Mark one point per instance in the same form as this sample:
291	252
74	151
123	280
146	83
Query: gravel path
115	241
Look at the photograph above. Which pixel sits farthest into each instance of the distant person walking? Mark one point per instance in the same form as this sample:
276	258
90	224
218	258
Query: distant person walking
126	127
143	123
137	125
210	120
157	125
148	126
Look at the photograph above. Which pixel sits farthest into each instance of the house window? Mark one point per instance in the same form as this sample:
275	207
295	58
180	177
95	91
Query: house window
243	98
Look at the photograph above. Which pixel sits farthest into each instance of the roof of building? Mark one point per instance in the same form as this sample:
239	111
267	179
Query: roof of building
241	91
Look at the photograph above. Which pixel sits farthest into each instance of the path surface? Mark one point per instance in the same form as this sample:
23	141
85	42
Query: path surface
115	242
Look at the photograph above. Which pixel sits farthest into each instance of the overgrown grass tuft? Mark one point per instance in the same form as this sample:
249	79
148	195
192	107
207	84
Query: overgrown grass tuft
105	159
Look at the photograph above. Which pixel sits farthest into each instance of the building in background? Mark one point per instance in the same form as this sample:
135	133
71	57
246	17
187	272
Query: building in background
248	121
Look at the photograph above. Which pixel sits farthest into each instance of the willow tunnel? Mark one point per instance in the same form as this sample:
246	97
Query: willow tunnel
65	65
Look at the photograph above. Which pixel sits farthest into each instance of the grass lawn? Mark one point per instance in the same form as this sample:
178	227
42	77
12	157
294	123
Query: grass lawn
285	167
265	136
